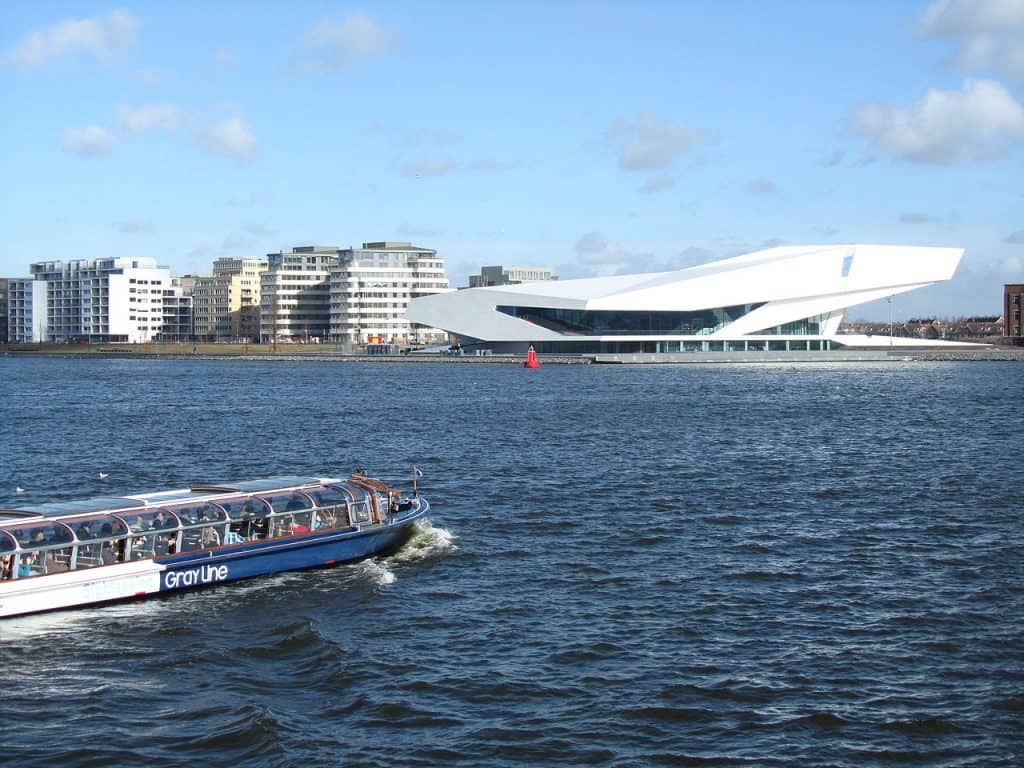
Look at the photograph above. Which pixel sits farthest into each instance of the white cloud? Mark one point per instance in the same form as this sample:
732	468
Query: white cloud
658	183
231	137
832	159
594	248
761	187
144	118
977	123
695	255
105	37
1012	266
134	226
990	33
221	60
652	142
237	241
340	45
88	140
429	167
259	230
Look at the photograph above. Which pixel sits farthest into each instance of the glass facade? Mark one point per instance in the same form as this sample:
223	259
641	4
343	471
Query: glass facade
600	322
809	326
655	347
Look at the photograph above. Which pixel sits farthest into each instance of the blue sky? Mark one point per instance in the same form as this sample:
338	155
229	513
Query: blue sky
593	138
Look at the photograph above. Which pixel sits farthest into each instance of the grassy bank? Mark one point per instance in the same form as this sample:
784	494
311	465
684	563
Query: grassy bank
203	349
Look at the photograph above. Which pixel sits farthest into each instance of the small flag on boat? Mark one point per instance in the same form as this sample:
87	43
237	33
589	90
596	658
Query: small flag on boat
417	471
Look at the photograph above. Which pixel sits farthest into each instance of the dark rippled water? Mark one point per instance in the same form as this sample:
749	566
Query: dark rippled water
626	566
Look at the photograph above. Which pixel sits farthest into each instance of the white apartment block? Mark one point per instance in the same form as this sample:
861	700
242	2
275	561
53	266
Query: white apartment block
295	294
26	310
103	300
177	325
371	288
500	275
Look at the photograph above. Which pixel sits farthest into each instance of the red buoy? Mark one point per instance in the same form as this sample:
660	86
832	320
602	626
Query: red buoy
531	359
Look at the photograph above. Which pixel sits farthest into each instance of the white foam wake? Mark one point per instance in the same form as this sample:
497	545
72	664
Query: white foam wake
376	572
427	541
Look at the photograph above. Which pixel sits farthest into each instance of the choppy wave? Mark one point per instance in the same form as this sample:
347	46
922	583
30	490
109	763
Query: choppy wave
624	567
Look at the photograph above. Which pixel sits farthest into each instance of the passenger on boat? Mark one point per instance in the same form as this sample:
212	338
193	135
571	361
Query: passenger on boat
292	528
107	554
6	564
26	565
167	546
210	537
325	519
52	565
138	547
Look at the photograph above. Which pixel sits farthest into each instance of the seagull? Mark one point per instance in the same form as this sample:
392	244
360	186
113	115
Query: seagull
18	489
103	475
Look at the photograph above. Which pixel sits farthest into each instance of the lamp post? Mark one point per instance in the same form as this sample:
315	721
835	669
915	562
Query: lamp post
890	324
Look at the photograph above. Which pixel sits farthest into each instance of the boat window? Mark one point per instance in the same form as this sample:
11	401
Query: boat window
37	535
292	523
97	527
288	502
328	517
201	537
200	514
359	512
39	562
327	497
204	528
154	543
151	519
238	509
6	542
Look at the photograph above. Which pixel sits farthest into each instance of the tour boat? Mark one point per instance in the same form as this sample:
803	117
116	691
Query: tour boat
65	554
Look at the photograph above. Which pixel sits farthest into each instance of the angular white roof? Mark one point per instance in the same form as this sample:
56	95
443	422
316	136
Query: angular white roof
792	283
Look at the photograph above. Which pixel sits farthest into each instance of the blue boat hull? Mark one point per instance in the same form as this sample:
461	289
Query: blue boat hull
199	569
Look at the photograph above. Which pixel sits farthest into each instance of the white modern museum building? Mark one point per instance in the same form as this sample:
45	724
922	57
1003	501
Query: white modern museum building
782	299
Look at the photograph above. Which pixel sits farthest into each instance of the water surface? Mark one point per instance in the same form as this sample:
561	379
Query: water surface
625	566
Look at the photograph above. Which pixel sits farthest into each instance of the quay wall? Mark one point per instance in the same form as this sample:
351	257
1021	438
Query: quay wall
211	352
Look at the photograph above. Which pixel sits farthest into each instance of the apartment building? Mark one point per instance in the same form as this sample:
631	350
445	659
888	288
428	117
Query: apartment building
501	275
3	309
26	310
295	294
226	305
177	324
371	288
1013	314
102	300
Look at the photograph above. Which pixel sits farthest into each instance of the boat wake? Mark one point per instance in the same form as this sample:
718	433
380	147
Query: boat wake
427	541
375	571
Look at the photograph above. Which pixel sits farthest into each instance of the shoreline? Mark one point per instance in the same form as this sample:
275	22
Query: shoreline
989	354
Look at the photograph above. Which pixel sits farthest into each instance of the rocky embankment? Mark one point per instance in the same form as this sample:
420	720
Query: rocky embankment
966	355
